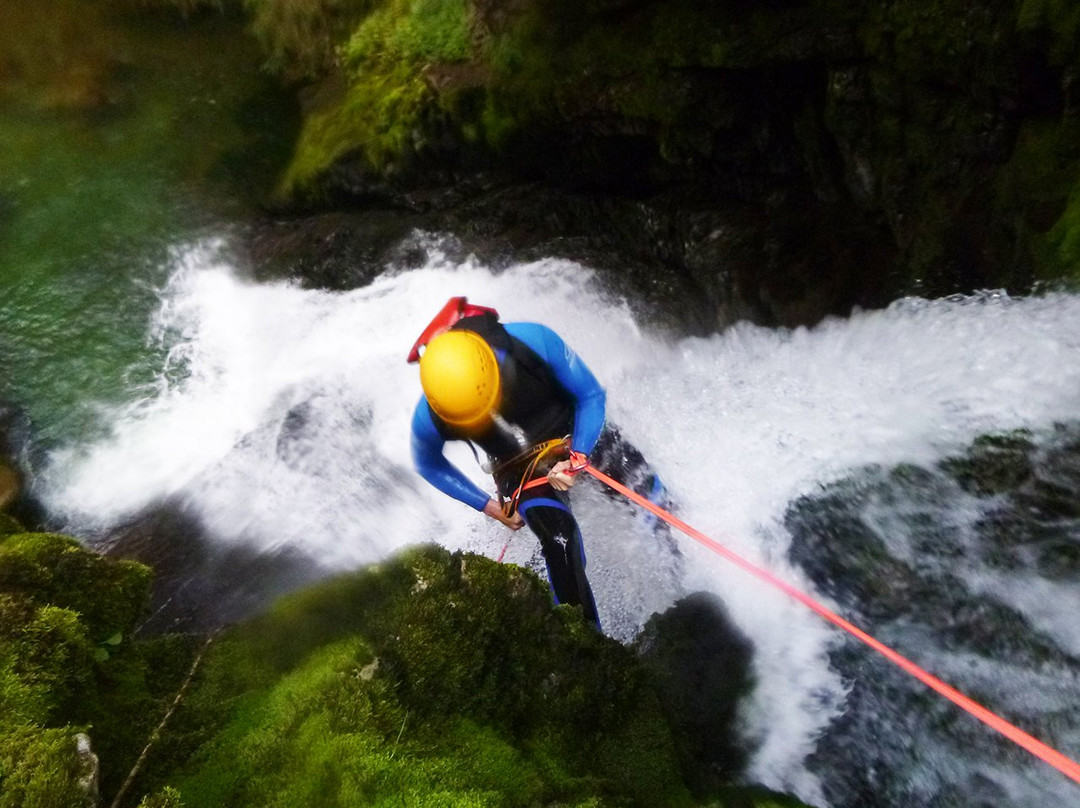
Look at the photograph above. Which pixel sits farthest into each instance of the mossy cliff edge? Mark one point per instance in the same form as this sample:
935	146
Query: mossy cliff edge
784	160
434	678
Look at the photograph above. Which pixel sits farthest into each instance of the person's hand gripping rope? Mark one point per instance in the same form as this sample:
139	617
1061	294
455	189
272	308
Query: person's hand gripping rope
563	474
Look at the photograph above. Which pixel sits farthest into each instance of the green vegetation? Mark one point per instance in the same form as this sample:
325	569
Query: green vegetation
67	666
8	525
40	767
393	86
432	679
1047	155
377	116
1064	239
411	31
331	733
437	677
906	111
301	37
1061	18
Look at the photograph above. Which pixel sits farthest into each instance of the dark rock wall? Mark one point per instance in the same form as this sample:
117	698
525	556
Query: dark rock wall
778	162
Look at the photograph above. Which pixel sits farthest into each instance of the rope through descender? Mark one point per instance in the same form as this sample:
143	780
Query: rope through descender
535	456
1067	766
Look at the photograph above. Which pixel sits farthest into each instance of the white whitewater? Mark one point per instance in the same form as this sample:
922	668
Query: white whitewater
283	414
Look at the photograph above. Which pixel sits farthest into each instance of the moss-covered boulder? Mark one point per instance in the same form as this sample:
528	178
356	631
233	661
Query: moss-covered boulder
9	525
436	675
78	697
701	665
51	768
432	678
66	611
53	571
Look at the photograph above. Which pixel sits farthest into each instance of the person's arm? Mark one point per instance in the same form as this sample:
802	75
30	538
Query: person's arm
427	455
431	463
574	376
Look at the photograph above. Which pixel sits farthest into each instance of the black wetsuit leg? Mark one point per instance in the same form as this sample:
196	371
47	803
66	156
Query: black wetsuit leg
621	460
549	517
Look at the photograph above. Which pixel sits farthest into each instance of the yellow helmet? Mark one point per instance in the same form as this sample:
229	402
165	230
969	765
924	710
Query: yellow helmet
460	377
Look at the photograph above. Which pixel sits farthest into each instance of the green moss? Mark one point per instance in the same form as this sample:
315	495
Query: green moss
1063	241
377	118
9	526
557	56
65	611
331	733
301	37
108	595
1041	183
413	31
22	700
67	659
545	62
1040	172
914	113
40	768
52	658
373	124
379	48
1060	17
168	797
445	678
432	679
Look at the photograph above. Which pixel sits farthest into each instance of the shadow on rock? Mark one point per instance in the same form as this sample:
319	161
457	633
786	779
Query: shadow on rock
701	664
201	584
17	458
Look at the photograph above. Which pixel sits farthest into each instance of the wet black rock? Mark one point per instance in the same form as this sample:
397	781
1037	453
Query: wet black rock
950	565
702	666
200	583
775	162
18	456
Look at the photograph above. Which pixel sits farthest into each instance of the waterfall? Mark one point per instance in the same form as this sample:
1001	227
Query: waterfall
281	415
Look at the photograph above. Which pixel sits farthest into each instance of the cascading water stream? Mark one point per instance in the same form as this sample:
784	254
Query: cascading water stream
281	416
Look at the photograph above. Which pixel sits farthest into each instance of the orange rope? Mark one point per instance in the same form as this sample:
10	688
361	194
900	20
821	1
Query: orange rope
1065	765
538	453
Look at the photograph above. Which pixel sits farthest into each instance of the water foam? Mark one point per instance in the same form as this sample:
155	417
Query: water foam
283	413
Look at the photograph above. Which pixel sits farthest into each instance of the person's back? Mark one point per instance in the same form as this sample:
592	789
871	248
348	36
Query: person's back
517	392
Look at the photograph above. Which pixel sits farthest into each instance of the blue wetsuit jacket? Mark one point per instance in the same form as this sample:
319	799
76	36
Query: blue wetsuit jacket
570	372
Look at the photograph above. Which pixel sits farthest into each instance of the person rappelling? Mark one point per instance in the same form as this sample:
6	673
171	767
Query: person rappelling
523	397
